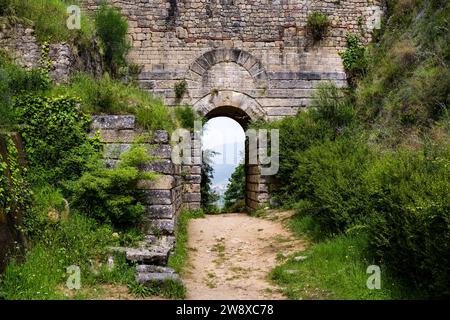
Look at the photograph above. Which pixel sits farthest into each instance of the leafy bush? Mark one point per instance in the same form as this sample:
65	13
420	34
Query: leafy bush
108	96
329	183
330	116
185	117
208	196
14	81
180	89
110	195
112	30
55	135
318	25
411	230
354	58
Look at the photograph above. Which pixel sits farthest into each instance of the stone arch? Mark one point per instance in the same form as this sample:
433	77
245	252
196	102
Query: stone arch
247	61
232	104
243	109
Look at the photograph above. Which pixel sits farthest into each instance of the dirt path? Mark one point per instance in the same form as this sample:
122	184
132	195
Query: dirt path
231	255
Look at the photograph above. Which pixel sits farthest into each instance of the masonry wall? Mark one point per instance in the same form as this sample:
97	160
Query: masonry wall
21	44
177	186
259	48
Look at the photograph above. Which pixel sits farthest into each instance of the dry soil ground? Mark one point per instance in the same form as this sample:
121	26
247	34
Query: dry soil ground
230	256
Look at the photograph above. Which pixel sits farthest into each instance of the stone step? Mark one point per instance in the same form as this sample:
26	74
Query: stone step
151	255
155	278
144	268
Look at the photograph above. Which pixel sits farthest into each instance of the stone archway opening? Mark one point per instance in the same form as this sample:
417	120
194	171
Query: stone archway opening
233	154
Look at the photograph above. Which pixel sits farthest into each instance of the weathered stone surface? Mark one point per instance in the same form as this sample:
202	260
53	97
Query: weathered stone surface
194	179
117	136
151	279
160	241
153	269
156	197
113	122
161	136
150	256
165	227
162	182
191	197
160	211
163	151
160	166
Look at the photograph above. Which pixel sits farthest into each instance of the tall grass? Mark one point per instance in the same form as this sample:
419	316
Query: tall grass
336	269
49	18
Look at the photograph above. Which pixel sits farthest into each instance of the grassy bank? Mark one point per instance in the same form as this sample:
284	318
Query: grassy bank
334	268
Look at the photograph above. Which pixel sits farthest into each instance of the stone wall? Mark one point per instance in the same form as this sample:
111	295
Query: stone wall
259	49
21	44
177	186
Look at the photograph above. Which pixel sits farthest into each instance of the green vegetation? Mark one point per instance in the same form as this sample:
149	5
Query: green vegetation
185	117
335	269
367	168
209	197
354	58
235	193
180	89
179	258
77	208
48	18
110	195
112	30
317	25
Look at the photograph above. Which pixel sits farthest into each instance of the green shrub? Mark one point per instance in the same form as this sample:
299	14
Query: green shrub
112	30
208	196
329	182
411	230
110	195
154	117
55	135
185	117
317	25
331	116
180	89
354	58
14	81
332	107
235	193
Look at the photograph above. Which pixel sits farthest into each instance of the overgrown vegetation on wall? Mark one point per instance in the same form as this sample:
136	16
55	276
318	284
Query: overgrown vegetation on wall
76	208
48	17
371	164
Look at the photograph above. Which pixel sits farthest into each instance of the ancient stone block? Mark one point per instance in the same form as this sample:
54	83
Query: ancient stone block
162	182
156	197
192	197
113	122
160	211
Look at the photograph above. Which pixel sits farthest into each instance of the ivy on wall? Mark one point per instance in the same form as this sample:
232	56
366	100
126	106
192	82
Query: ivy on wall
15	194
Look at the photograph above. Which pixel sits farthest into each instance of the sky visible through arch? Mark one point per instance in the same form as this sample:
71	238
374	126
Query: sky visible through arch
226	137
